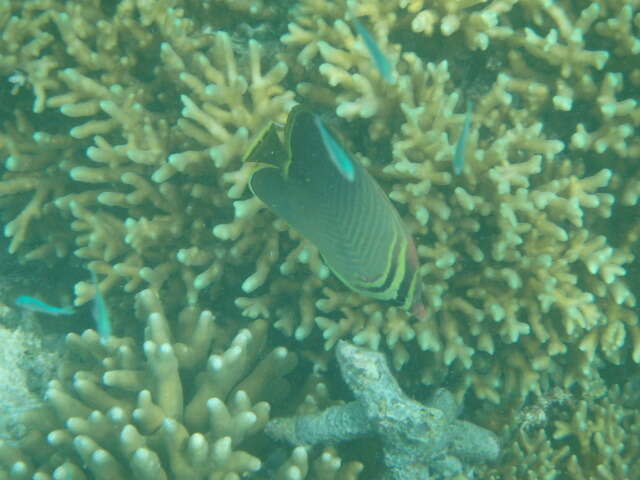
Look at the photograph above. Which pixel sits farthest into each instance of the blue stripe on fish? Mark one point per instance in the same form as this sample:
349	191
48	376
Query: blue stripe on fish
338	156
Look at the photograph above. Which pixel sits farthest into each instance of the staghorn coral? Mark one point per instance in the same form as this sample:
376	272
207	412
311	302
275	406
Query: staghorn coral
121	190
593	436
516	261
522	203
121	411
124	124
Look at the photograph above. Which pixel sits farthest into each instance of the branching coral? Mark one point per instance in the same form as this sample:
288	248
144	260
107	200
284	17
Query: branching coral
144	170
124	127
515	258
120	411
603	425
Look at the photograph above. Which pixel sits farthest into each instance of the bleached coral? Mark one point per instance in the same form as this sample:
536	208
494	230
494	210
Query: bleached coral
417	440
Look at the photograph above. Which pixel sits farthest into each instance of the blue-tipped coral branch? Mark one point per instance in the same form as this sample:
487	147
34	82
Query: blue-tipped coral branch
418	441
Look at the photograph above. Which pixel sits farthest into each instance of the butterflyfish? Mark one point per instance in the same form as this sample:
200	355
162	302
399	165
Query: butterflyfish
315	185
380	60
35	305
458	156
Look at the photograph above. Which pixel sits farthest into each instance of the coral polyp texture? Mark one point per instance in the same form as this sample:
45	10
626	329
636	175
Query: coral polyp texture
124	127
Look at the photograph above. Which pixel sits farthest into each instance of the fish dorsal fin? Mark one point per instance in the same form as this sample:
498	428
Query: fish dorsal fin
266	148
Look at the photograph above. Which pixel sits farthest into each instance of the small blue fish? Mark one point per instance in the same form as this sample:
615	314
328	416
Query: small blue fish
35	305
458	157
100	311
379	58
337	155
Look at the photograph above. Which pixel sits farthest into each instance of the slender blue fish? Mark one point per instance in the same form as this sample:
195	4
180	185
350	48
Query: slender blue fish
35	305
458	157
379	58
100	311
